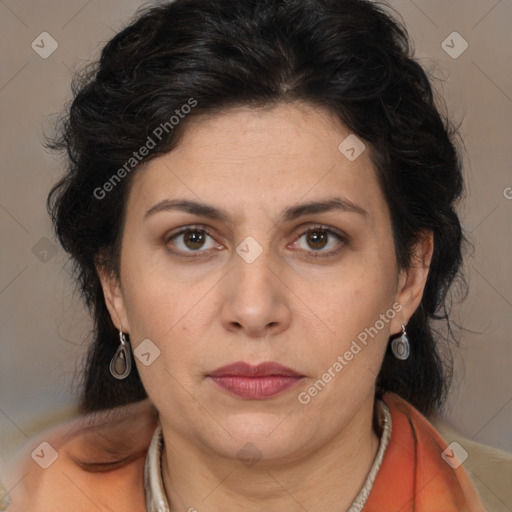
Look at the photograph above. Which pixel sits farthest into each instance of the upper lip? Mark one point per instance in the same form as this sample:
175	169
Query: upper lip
243	369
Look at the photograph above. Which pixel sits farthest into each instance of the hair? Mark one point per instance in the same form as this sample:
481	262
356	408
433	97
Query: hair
351	57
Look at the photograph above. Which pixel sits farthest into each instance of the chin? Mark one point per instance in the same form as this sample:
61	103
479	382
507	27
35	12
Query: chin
259	438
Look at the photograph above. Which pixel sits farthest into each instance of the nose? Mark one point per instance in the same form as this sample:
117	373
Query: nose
257	300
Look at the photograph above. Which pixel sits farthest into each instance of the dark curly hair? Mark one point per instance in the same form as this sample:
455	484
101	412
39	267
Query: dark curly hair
352	57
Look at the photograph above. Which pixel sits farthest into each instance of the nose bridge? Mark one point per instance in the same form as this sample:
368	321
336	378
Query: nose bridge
255	299
253	273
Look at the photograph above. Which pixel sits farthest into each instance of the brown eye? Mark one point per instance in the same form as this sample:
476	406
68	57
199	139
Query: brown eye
321	241
317	239
191	240
194	239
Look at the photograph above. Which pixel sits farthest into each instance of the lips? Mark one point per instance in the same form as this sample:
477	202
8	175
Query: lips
255	382
241	369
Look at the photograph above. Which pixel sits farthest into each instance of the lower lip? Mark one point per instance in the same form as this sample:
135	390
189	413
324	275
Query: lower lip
256	388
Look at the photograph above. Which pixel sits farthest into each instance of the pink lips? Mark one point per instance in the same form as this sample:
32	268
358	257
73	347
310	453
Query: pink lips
255	382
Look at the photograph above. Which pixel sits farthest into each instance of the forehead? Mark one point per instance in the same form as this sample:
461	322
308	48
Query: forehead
263	159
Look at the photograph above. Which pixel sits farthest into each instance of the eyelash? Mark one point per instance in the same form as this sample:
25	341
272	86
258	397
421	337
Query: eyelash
343	239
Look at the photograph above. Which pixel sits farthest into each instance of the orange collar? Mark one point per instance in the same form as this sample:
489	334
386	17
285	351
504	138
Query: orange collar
413	476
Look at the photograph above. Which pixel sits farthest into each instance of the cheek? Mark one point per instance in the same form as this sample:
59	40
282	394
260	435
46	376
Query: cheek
153	297
171	316
355	297
357	306
347	363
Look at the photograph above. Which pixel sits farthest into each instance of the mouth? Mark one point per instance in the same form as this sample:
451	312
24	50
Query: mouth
255	382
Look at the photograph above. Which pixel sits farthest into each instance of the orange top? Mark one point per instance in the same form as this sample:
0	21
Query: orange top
413	476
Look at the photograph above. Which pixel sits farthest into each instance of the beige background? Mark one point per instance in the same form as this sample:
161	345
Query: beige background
44	324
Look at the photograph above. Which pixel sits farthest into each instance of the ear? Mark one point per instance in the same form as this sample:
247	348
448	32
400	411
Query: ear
411	281
113	298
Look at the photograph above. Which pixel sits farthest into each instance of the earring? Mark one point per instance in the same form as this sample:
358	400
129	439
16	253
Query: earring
400	346
121	363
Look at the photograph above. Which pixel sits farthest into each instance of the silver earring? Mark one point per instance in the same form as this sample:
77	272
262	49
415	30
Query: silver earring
121	363
400	346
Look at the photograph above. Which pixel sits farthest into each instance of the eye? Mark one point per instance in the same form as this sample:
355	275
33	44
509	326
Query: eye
320	239
192	239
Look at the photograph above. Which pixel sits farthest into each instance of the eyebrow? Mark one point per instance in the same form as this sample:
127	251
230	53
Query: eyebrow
289	214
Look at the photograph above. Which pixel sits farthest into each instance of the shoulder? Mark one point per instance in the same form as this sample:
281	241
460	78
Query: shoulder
95	462
490	469
477	467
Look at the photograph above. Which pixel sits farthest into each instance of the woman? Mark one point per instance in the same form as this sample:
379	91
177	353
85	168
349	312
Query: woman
260	204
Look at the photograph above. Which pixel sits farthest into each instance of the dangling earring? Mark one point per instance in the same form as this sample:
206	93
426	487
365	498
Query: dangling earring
121	363
400	346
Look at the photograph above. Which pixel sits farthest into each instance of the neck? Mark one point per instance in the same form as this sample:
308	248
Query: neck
328	478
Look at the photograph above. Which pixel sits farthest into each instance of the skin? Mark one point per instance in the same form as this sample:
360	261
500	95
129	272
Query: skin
286	306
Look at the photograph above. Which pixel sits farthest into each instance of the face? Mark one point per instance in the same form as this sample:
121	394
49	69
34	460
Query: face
257	240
